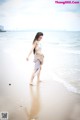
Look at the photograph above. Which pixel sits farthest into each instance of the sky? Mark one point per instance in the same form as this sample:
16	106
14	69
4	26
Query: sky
39	14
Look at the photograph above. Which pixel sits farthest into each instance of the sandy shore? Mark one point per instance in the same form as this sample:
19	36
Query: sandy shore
47	101
50	100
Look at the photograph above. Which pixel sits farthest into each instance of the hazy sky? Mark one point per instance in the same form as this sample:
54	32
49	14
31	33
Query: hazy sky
39	14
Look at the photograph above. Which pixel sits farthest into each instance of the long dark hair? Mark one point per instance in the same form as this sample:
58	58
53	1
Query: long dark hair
36	38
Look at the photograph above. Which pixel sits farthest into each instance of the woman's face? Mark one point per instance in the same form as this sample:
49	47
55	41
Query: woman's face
40	37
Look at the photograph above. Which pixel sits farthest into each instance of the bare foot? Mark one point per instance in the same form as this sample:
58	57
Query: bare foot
40	80
31	84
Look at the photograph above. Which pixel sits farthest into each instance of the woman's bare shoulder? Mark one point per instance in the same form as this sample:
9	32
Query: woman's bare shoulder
36	42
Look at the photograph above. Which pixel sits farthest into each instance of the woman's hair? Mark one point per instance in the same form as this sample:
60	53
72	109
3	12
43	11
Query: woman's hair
36	38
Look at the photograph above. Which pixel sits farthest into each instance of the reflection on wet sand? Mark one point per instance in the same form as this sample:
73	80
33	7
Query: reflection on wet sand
34	110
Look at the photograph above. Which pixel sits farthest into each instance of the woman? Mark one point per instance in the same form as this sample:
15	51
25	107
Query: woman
38	57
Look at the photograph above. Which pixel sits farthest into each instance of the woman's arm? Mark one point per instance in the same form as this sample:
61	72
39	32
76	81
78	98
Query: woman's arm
33	46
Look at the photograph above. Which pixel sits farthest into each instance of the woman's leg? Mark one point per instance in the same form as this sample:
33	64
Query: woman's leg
32	77
35	71
38	75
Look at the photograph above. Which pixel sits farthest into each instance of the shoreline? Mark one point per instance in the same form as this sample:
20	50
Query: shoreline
69	87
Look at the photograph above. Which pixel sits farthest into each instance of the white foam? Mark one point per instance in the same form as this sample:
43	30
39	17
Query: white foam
67	85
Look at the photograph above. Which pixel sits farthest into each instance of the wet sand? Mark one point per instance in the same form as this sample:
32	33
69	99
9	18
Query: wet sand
50	100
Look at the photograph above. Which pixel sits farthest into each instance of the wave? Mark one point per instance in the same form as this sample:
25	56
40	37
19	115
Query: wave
75	44
71	51
66	48
69	86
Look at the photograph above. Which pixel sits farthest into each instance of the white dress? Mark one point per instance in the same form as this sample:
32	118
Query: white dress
38	50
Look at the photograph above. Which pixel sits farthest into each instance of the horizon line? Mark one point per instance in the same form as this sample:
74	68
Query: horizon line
41	30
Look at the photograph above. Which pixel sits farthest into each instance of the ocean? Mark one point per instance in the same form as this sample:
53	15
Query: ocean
61	50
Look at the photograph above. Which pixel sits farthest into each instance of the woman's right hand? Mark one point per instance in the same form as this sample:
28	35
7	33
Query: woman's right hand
27	59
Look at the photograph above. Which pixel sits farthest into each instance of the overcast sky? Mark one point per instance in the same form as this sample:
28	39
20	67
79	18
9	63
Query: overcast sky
39	14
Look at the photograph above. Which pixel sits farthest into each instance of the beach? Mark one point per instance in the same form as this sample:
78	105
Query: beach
57	97
48	100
